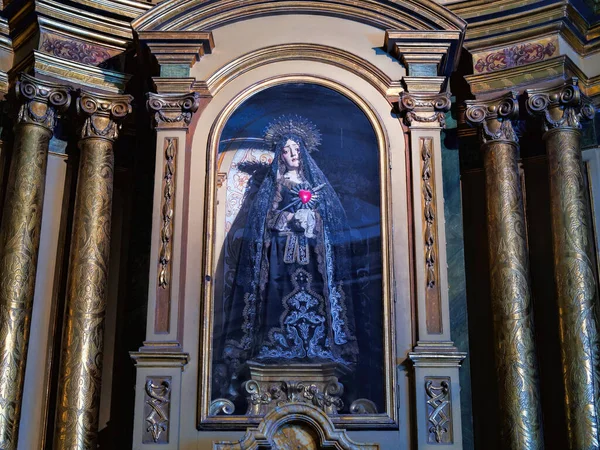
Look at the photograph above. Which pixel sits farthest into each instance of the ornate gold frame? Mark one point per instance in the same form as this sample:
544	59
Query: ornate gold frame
387	419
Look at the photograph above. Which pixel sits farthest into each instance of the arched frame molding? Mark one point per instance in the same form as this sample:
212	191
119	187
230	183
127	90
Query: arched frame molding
191	200
201	15
305	52
389	417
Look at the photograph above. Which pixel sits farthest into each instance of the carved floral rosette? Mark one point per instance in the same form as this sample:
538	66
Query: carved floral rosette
494	118
173	110
560	107
41	101
103	114
424	108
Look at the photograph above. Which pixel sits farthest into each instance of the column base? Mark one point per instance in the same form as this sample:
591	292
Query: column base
437	394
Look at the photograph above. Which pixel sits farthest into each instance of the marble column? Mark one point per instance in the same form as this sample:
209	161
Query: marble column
562	110
41	101
516	361
81	362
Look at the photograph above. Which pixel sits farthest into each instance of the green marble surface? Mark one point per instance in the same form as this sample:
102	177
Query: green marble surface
456	269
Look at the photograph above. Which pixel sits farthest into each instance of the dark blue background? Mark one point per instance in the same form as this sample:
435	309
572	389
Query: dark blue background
348	154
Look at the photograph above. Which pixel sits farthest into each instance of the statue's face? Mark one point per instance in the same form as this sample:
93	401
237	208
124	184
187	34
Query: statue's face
290	155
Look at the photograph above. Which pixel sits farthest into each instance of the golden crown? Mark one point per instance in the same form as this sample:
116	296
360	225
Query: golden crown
293	125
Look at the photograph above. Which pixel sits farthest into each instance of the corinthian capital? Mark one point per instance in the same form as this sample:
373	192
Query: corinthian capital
173	110
41	101
103	114
560	107
425	107
494	117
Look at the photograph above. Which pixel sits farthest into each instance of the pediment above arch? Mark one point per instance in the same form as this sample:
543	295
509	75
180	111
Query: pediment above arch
416	32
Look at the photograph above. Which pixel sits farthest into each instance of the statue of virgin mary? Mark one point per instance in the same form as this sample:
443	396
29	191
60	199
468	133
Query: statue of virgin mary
291	298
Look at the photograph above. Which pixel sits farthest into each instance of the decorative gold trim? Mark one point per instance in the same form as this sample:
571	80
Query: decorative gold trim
76	73
433	300
555	70
389	417
168	204
162	315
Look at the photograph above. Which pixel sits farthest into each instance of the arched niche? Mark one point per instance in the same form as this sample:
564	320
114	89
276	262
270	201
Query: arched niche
230	51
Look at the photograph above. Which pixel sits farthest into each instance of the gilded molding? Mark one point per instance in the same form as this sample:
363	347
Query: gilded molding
439	410
174	47
167	208
562	107
103	114
494	117
196	15
41	101
72	72
304	52
173	110
424	108
433	299
157	410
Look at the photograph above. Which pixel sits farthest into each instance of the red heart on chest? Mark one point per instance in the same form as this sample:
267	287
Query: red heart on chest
305	196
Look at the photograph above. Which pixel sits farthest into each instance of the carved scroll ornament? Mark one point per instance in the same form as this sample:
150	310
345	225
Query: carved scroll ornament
439	410
560	107
157	410
41	101
103	114
168	199
173	110
494	118
425	108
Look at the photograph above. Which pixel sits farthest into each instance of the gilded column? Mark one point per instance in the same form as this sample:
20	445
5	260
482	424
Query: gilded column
81	362
562	109
20	238
515	354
